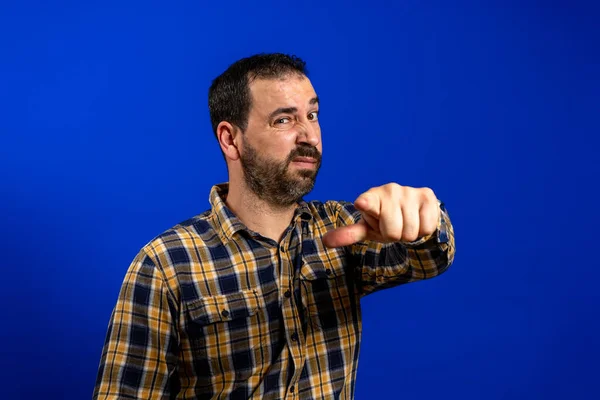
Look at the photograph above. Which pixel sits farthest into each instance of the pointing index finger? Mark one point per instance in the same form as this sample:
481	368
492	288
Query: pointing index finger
346	235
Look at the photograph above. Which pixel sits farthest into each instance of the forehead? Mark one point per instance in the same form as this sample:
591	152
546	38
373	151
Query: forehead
290	91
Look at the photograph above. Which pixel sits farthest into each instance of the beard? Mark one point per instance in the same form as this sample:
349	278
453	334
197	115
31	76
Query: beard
272	180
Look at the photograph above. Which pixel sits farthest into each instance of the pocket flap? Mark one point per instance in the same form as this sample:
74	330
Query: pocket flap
313	267
227	307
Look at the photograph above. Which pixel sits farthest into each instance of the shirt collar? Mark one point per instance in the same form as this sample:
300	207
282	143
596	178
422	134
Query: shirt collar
228	223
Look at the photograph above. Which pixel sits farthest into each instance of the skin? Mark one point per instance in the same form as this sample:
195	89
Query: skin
267	175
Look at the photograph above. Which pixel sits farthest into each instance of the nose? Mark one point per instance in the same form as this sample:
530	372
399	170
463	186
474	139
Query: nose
309	133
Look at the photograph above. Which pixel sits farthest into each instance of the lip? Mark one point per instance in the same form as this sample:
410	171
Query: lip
305	163
304	160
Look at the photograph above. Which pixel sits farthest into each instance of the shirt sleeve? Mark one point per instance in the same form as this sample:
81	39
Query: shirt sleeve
384	265
139	358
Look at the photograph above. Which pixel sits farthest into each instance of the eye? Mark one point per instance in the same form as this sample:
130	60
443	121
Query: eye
284	120
313	116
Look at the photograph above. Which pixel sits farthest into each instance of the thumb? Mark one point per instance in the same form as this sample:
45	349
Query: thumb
346	235
368	203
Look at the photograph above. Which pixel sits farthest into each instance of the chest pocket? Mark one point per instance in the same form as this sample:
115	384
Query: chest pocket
226	333
325	291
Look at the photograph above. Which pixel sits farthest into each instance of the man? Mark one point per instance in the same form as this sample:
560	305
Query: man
259	297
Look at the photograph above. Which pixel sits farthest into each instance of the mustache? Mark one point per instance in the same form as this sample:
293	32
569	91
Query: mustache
305	151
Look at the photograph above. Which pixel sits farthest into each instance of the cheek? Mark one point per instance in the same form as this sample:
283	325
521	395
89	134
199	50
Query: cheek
277	146
286	141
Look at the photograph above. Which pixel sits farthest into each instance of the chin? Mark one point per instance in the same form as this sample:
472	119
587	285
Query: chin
306	174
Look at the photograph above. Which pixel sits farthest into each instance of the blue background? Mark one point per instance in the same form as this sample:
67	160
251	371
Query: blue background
106	142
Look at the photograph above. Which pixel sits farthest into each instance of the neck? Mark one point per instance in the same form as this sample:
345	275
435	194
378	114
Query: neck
259	215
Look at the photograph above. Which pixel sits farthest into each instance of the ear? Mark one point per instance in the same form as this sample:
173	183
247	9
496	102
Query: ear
227	134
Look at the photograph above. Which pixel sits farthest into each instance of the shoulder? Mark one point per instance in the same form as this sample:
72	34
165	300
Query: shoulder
172	246
175	252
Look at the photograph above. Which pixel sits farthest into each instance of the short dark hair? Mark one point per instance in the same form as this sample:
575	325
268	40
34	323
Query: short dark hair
229	96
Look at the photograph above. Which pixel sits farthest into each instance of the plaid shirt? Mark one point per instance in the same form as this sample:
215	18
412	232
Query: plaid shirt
212	310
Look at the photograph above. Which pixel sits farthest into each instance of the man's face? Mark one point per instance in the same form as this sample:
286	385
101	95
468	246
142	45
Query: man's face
281	151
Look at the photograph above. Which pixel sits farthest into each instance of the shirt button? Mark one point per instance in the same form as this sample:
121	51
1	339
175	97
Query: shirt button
328	271
225	313
288	294
294	336
292	389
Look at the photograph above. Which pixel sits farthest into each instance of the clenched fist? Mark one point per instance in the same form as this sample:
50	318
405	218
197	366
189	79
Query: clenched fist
390	213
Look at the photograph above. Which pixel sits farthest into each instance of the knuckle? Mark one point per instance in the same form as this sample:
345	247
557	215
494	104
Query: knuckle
410	232
428	194
428	228
395	235
410	236
392	188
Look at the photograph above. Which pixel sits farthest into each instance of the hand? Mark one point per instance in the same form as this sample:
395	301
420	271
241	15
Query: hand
390	213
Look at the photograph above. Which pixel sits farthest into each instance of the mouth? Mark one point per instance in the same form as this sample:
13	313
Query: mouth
305	162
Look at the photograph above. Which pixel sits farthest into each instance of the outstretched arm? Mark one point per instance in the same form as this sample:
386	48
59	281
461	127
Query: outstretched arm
396	234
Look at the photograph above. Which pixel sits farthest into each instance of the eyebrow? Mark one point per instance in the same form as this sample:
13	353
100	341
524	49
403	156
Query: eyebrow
292	110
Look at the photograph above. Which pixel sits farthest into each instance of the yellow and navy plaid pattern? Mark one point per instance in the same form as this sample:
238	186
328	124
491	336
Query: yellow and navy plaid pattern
212	310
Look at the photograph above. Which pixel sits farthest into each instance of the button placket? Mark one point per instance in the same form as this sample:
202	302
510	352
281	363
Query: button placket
288	286
287	303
